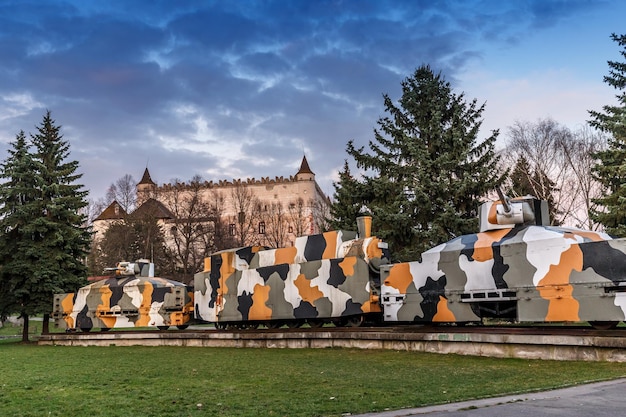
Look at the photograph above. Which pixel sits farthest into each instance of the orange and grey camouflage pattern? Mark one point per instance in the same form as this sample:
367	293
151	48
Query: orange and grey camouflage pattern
132	298
517	268
326	277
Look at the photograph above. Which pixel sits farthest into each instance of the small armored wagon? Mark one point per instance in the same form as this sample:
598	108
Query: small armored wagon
132	297
517	267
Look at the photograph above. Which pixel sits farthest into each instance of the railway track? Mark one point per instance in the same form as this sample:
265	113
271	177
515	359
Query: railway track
581	331
529	342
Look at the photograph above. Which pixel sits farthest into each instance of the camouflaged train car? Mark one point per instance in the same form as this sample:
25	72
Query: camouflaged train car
132	297
517	267
329	277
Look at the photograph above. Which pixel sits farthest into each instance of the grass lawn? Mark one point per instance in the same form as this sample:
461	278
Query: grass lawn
175	381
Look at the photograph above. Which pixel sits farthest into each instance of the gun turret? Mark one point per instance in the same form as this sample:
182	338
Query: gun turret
141	267
508	213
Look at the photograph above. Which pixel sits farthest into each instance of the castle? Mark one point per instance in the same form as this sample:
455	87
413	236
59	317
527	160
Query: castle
270	212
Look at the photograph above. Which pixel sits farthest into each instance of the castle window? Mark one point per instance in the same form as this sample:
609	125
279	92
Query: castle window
261	228
173	230
290	230
231	229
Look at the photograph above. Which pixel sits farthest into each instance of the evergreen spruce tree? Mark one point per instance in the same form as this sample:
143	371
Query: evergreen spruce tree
521	183
17	196
347	202
51	239
545	189
526	181
611	169
135	238
429	171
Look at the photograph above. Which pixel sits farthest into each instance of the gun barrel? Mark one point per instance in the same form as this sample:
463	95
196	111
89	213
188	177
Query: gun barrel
505	201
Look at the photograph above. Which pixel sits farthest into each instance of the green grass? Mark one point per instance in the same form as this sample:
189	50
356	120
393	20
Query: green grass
9	331
174	381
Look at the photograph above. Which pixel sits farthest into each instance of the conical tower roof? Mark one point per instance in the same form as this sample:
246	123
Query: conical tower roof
146	178
304	167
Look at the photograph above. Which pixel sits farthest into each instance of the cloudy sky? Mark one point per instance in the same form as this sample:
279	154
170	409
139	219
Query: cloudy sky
236	89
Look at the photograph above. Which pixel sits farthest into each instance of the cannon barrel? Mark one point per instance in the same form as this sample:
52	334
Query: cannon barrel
506	205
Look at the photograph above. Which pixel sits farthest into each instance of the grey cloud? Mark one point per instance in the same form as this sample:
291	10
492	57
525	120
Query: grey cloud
276	77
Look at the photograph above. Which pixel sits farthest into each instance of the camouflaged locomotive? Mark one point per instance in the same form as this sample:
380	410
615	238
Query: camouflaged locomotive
133	297
326	277
518	267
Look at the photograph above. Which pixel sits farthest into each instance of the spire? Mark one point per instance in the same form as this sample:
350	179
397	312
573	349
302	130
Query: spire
146	178
305	173
146	188
304	167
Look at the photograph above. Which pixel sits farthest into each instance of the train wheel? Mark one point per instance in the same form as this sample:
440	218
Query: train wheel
276	324
85	329
354	321
294	324
315	324
182	326
105	329
604	325
220	326
163	328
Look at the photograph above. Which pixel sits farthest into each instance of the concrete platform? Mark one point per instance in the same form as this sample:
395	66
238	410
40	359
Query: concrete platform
502	345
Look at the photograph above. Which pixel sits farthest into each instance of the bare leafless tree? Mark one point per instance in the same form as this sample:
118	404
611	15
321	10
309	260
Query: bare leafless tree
321	215
189	228
244	222
559	166
300	217
124	191
274	218
93	209
218	236
579	153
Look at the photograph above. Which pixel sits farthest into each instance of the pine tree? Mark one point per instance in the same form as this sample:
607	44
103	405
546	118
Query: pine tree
51	241
347	202
429	172
611	169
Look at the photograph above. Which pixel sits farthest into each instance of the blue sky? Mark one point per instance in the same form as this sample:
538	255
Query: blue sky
237	89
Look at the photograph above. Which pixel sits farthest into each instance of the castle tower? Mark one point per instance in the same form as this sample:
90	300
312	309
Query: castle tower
146	188
305	173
